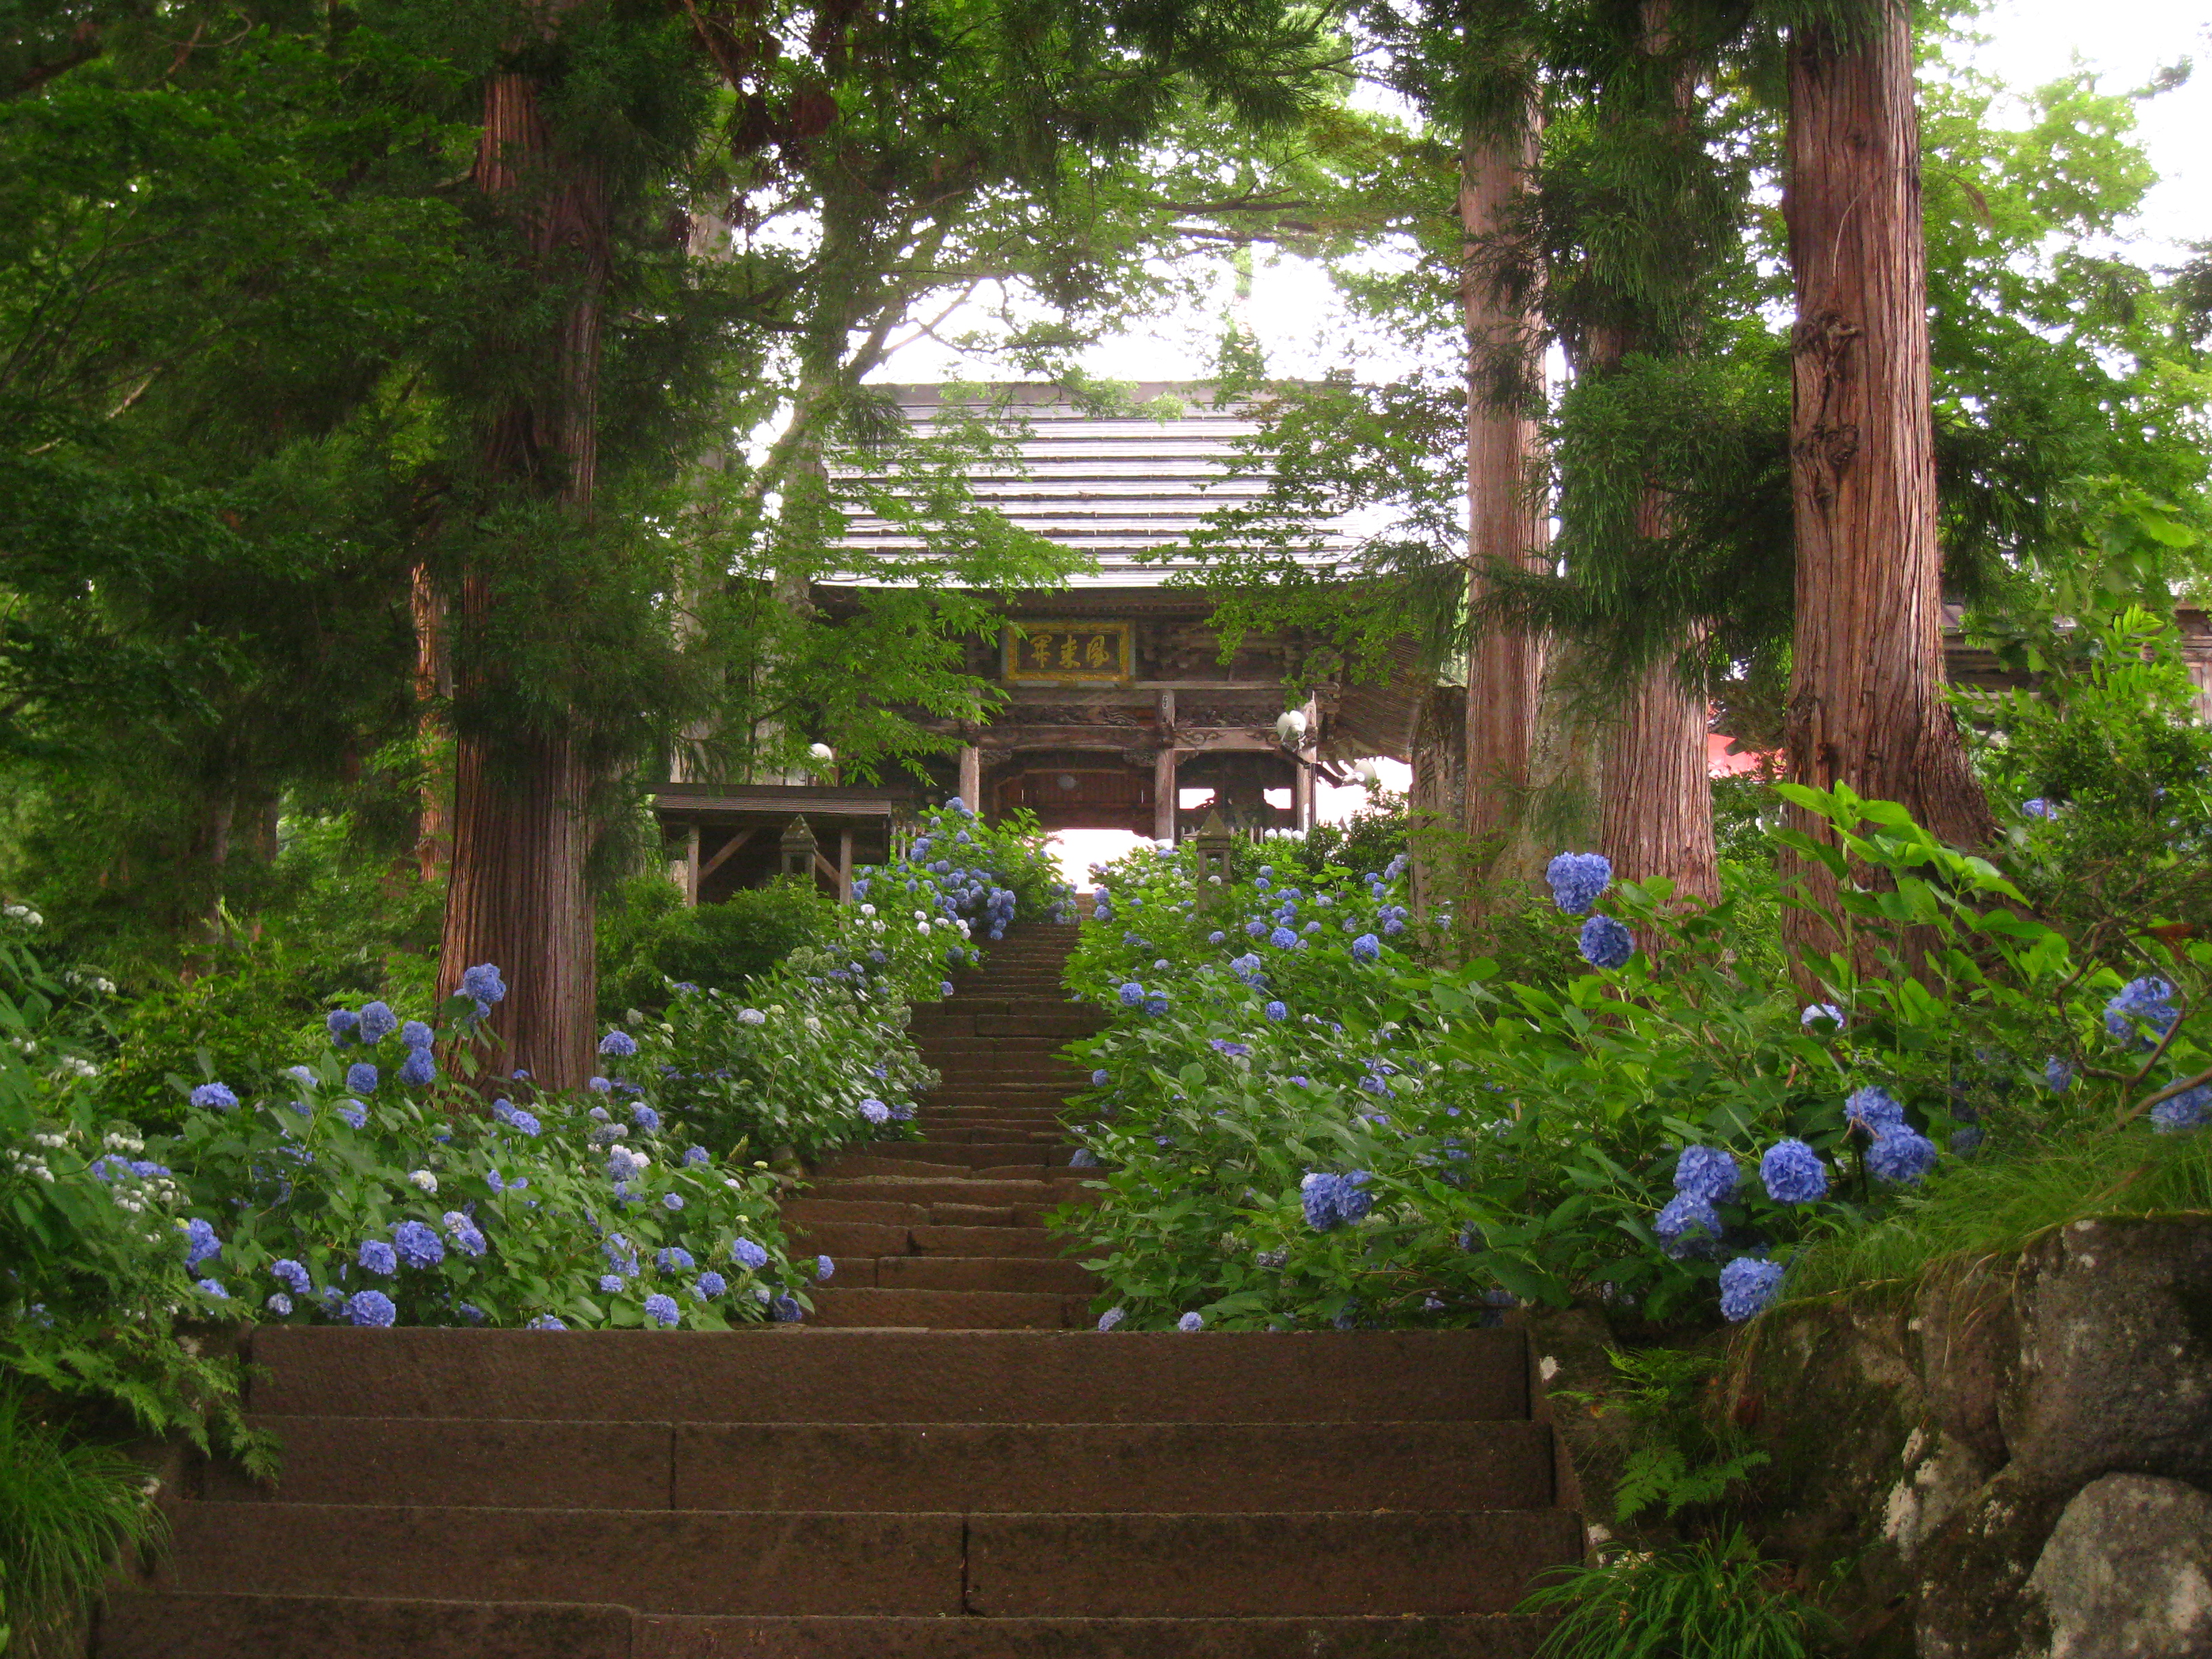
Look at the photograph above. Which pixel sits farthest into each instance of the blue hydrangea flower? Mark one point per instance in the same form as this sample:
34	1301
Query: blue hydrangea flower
418	1070
1577	879
1335	1200
1366	948
1901	1155
290	1274
1748	1286
1283	938
2186	1110
213	1098
416	1035
361	1077
278	1304
201	1243
671	1201
1157	1002
468	1238
944	988
212	1287
2141	1011
1256	928
1819	1011
710	1285
1873	1110
1192	1321
378	1257
644	1117
1276	1010
1100	1079
378	1022
1112	1318
611	1284
1706	1172
418	1246
824	1269
620	1044
1793	1173
370	1308
1217	937
786	1310
696	1155
2058	1075
599	1086
484	983
2038	807
875	1111
674	1258
1130	993
1605	943
352	1113
747	1254
1687	1225
470	1314
1392	927
548	1323
341	1024
662	1309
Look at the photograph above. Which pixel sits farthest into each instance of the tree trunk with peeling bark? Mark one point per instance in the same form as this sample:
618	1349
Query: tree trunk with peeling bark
521	815
1866	705
1507	521
432	823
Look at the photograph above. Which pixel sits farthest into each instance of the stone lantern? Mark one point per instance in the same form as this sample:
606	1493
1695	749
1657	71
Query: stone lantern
799	847
1215	875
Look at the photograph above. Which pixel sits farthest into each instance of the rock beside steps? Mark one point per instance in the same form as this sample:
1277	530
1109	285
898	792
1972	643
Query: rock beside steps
996	1487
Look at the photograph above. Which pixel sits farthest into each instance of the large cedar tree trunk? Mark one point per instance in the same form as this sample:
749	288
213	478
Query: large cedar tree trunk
1866	706
432	823
1507	525
521	819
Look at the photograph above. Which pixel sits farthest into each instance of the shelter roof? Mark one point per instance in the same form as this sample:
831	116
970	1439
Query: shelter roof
1115	486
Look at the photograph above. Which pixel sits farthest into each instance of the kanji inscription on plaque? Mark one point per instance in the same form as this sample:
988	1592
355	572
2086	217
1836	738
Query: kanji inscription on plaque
1062	651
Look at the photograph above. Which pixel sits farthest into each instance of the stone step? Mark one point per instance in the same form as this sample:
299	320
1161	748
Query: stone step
870	1309
841	1239
1030	1164
973	1024
807	1211
214	1626
900	1272
1461	1637
853	1376
898	1468
919	1189
1009	1565
974	1154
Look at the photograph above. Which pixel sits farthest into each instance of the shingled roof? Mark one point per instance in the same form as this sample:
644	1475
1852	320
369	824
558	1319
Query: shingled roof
1115	487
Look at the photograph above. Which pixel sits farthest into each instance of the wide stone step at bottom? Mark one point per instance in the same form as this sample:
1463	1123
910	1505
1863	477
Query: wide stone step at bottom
897	1468
997	1565
315	1627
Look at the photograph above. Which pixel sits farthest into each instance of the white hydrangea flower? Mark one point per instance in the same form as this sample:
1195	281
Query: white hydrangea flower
423	1179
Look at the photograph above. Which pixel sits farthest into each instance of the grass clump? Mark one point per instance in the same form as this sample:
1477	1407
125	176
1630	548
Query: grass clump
1697	1601
1996	1208
69	1509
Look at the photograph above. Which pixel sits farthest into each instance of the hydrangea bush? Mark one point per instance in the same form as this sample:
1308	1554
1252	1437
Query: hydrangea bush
1669	1134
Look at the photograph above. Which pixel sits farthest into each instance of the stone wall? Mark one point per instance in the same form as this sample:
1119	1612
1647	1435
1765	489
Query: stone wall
2014	1462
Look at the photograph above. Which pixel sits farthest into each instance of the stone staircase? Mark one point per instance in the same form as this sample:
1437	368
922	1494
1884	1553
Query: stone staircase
948	1232
987	1486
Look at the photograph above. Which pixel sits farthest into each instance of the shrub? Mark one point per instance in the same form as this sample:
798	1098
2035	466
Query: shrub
1524	1141
1707	1597
649	937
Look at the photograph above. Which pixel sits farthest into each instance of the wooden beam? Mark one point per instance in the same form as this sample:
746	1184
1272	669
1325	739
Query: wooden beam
845	865
971	777
721	856
691	865
1163	795
826	866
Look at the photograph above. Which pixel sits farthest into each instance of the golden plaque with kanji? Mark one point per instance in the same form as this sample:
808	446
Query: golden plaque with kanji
1055	652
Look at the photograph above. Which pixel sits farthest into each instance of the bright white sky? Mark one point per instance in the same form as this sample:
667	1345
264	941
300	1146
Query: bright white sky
2026	43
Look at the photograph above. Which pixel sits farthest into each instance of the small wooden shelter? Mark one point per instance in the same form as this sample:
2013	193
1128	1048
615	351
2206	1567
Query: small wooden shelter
721	837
